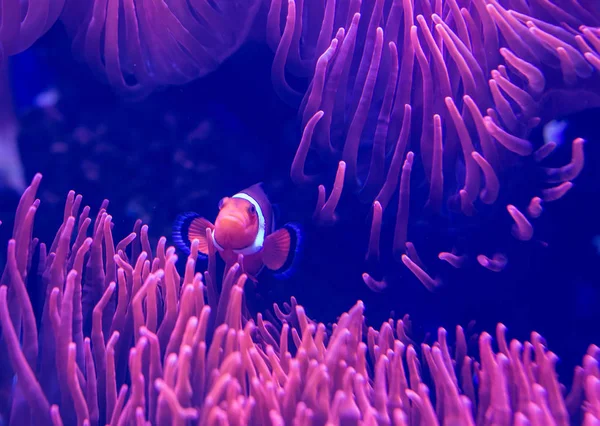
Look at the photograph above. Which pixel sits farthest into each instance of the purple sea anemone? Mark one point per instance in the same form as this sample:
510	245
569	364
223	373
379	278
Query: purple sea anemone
138	45
23	22
118	337
446	90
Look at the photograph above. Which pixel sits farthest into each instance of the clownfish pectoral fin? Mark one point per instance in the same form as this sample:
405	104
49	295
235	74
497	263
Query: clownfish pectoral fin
197	231
189	227
281	249
276	249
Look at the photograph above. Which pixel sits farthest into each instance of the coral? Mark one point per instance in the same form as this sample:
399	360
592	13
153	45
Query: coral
137	45
448	91
123	338
23	22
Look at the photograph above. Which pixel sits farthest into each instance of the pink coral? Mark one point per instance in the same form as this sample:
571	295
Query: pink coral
169	349
138	45
448	90
23	22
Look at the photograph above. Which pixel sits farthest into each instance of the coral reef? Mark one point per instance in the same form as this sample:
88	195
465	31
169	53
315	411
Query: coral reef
23	22
99	333
137	46
438	98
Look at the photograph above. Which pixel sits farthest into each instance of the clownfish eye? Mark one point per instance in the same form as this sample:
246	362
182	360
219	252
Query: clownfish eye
251	210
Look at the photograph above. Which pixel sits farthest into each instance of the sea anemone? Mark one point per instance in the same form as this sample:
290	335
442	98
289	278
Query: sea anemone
98	333
438	98
137	45
22	23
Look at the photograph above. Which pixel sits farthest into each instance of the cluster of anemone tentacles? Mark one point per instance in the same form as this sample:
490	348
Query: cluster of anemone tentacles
120	337
137	45
451	88
133	45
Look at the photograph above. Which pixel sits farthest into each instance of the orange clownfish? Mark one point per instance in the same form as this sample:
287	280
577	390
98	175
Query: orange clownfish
244	225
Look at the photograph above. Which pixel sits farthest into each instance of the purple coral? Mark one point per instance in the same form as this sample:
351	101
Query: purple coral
460	84
138	45
23	22
169	349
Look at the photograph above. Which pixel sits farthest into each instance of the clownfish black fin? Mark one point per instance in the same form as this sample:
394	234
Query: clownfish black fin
281	250
188	227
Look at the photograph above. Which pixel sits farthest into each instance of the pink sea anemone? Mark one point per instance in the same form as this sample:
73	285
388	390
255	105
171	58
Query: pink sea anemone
124	339
138	45
448	90
23	22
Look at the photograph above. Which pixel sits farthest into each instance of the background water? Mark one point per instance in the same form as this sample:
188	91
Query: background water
186	147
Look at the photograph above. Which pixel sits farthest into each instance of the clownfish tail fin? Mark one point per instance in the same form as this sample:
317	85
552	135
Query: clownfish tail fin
282	249
188	227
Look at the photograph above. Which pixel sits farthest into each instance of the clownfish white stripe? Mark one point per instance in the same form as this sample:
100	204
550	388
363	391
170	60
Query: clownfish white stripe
214	240
259	241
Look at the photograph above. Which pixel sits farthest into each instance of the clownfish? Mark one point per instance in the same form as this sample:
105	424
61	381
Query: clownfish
245	225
